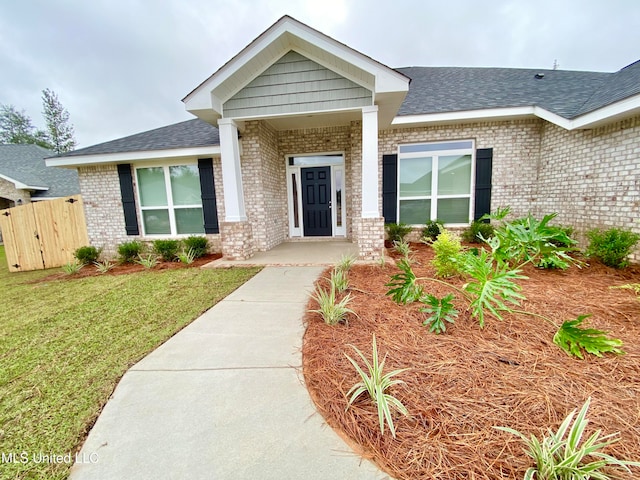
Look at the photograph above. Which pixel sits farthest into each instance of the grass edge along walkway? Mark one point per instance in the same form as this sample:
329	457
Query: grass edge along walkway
65	344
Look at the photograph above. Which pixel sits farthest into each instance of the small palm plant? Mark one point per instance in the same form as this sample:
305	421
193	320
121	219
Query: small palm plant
375	383
561	456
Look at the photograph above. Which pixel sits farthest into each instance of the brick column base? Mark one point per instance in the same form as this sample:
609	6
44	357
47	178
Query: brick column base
368	234
237	240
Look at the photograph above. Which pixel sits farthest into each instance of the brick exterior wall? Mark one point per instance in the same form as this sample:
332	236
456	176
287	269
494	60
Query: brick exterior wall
591	178
322	140
263	181
516	147
100	189
9	191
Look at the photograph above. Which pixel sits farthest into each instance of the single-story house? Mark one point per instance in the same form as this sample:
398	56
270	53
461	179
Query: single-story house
300	136
25	177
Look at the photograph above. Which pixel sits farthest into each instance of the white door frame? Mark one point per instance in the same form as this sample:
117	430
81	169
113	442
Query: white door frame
338	222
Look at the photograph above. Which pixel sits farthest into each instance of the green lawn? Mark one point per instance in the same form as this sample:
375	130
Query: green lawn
65	344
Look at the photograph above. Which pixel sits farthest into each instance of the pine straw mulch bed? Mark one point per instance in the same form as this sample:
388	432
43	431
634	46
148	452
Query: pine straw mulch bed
467	380
126	268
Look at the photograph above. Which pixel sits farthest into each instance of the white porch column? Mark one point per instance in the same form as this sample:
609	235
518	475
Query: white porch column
231	172
370	162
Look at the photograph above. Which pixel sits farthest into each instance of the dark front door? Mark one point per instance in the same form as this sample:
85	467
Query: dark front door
316	201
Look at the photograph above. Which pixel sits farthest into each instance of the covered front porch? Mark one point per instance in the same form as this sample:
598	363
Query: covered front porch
298	116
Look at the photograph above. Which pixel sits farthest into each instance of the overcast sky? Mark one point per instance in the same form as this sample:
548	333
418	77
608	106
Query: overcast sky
122	66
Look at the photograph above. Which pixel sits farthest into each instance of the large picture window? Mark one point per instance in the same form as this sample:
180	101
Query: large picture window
170	200
435	182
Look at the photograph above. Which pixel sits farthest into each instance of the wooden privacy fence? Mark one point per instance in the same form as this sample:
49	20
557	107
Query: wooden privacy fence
43	234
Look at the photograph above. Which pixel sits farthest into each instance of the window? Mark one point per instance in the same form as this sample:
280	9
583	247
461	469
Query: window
170	200
435	182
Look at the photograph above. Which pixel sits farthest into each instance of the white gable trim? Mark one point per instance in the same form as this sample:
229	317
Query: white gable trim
22	186
288	34
105	158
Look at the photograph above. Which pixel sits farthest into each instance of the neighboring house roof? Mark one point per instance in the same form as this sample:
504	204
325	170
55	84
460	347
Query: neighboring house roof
24	166
188	134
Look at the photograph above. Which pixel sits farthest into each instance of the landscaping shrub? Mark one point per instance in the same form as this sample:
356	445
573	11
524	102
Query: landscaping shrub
167	249
87	255
199	245
612	246
397	231
432	229
130	251
476	230
447	250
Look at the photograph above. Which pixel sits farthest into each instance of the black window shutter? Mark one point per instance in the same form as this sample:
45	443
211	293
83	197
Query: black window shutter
484	161
128	199
208	195
389	188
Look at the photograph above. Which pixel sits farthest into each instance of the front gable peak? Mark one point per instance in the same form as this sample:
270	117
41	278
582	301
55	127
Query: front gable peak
294	43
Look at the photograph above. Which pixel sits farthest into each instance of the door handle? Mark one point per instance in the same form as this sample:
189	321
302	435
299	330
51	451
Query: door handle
329	203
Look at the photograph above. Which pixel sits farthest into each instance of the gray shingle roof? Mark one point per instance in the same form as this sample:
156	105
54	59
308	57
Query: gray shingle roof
438	90
620	85
451	89
25	163
191	133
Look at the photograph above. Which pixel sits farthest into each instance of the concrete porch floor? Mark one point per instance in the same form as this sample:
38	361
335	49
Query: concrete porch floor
307	253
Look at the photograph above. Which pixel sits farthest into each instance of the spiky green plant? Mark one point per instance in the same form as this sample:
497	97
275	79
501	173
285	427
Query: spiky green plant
561	455
340	279
397	231
149	261
187	256
71	268
104	266
573	339
346	262
376	383
403	248
492	286
629	286
404	288
441	309
331	310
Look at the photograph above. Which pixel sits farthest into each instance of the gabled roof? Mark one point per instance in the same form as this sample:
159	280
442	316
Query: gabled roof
24	166
388	85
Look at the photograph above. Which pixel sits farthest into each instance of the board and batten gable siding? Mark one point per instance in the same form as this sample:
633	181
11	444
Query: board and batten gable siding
295	84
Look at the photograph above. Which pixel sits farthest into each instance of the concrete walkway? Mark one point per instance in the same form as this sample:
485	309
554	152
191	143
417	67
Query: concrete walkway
224	399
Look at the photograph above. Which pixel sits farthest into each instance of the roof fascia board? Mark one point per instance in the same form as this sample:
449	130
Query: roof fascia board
466	115
78	160
22	186
601	115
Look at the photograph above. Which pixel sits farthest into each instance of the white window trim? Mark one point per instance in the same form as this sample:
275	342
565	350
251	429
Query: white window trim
170	206
298	232
435	154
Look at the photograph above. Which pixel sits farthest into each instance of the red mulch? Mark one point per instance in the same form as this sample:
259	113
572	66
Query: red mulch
467	380
126	268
